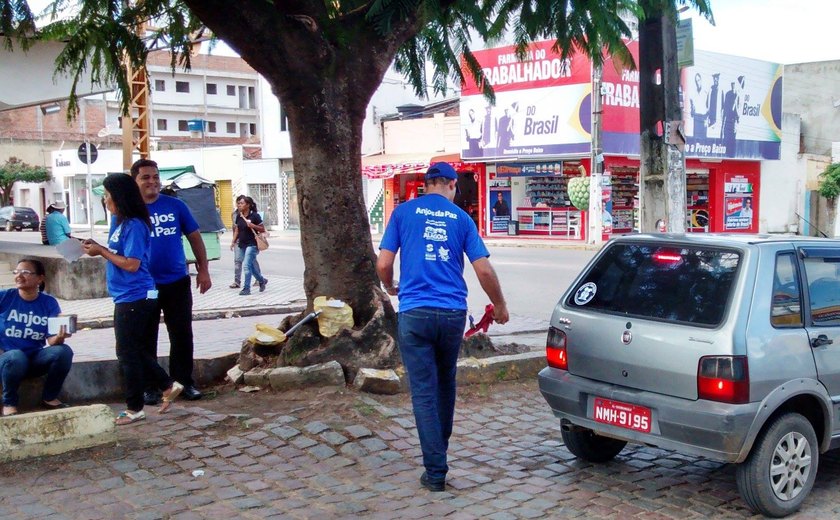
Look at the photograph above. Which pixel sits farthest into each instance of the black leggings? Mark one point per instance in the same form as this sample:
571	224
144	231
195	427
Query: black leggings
135	327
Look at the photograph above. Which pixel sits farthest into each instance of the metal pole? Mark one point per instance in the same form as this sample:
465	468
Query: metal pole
88	180
596	206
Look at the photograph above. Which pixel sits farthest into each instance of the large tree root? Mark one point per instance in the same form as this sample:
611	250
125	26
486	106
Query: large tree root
372	346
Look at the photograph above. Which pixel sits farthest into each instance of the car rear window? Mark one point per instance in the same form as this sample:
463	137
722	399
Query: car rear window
673	283
24	211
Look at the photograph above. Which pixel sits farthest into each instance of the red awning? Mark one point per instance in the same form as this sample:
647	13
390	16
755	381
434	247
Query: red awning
385	166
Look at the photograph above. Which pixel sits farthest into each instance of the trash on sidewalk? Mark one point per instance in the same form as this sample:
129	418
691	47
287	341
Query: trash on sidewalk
250	389
268	335
335	314
198	473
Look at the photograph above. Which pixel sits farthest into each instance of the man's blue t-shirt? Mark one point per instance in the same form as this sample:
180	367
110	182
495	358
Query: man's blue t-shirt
58	228
170	219
433	234
24	324
131	239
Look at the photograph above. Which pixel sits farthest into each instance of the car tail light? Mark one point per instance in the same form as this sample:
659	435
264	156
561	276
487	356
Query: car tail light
555	349
723	378
667	256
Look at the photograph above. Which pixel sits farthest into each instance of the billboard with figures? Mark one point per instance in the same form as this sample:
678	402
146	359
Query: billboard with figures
732	106
542	105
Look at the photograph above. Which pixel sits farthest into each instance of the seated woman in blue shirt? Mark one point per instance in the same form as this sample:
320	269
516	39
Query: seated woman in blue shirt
24	311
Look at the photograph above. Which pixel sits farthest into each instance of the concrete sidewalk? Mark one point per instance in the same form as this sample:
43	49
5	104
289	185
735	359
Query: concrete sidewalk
282	295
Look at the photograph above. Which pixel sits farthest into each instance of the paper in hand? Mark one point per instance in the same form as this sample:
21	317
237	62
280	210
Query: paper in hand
70	249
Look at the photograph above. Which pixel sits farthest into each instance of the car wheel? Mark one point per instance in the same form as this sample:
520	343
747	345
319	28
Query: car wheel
591	447
781	469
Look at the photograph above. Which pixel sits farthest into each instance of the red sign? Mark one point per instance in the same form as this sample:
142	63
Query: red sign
541	67
620	94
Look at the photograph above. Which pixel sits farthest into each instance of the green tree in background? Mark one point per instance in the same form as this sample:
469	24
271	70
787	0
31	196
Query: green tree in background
324	60
829	187
15	170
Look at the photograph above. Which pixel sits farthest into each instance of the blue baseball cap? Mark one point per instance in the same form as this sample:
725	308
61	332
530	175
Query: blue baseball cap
441	169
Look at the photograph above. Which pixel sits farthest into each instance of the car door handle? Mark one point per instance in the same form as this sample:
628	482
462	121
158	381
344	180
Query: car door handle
821	340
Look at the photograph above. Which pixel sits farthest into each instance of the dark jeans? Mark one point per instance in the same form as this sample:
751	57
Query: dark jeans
430	340
53	361
175	300
135	326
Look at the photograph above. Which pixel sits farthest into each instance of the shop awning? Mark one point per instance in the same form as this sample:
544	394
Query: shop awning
385	166
452	158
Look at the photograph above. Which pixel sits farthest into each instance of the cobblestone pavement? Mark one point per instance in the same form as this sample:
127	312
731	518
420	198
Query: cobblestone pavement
294	457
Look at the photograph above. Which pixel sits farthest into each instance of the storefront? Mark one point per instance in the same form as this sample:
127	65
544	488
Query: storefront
532	199
536	138
403	181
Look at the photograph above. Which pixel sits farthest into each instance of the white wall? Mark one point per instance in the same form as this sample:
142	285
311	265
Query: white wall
276	143
261	171
437	134
783	187
393	92
213	163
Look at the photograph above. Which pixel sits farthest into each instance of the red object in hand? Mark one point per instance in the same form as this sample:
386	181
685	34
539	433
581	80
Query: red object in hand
483	324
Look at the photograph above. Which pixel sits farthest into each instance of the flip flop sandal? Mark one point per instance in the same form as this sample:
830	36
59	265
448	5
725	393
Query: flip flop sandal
170	395
127	417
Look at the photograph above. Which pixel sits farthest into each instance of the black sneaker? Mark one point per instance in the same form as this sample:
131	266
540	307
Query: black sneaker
191	393
152	397
263	284
244	292
435	487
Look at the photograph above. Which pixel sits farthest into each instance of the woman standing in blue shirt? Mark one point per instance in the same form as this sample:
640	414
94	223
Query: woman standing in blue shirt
24	311
132	287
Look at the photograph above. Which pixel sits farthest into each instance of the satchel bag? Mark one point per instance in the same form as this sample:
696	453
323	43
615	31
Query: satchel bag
262	240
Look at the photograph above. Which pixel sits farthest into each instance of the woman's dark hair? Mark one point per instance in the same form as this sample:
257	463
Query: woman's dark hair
126	196
38	267
251	203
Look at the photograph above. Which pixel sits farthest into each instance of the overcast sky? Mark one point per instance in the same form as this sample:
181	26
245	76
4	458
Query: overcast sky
781	31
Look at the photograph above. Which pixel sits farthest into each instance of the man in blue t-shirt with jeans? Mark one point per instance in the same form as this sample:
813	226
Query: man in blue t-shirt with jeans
170	219
433	235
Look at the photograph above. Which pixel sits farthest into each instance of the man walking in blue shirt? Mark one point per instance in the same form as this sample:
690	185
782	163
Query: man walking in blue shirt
433	235
170	219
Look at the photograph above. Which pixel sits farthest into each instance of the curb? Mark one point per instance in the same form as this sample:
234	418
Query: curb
211	314
55	431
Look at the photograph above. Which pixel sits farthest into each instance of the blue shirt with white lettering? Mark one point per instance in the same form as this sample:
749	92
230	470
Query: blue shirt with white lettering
131	239
170	219
432	235
24	324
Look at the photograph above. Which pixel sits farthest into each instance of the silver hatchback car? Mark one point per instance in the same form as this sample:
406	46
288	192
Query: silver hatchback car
724	346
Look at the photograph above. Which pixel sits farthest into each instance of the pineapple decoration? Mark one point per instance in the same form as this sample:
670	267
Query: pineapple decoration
579	190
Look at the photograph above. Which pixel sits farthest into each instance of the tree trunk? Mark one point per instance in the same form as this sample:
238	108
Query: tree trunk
324	69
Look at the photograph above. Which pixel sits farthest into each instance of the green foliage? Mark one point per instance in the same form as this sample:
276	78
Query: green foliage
102	33
15	170
829	186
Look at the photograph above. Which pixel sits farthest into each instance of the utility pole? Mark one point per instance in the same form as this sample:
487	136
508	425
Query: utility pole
662	186
596	204
135	125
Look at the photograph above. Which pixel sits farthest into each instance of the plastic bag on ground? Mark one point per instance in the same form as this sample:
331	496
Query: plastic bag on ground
335	314
267	335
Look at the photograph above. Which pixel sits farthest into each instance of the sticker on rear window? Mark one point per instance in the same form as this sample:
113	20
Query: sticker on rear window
585	293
